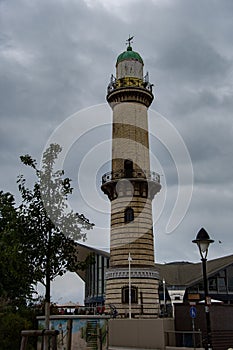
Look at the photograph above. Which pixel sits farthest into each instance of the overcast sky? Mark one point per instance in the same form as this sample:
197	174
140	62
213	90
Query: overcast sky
56	60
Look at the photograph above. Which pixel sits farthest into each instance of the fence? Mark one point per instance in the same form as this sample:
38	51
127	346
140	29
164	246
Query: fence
39	333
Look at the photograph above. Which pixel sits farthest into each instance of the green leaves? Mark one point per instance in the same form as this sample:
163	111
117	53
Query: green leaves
51	227
27	160
15	266
38	238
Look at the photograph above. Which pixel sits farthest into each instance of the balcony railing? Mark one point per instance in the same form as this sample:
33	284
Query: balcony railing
128	174
129	82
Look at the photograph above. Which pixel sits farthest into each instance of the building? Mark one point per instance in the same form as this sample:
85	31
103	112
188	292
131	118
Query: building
131	187
183	280
94	274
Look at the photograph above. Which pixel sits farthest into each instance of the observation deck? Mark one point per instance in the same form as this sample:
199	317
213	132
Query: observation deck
134	174
130	89
145	183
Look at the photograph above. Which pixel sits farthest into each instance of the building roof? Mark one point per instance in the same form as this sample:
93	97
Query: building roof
180	273
129	55
186	273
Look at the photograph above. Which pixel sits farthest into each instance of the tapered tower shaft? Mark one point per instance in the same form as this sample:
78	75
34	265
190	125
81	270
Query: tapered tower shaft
131	187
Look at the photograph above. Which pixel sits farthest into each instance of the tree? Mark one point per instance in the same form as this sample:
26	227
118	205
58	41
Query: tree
50	226
16	269
11	325
16	277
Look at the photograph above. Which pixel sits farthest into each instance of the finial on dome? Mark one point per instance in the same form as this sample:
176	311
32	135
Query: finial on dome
128	42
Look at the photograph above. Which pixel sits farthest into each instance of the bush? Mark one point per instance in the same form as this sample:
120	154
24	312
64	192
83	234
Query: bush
11	325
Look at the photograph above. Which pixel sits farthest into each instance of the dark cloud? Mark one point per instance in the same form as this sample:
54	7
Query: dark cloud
57	58
192	59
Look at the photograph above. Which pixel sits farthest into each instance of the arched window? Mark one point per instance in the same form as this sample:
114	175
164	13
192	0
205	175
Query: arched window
129	215
128	168
125	295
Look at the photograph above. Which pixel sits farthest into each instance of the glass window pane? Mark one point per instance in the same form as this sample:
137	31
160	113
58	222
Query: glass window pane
230	278
125	295
213	284
221	284
129	215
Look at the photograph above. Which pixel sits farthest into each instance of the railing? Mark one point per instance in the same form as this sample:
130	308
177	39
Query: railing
135	273
129	82
39	333
134	174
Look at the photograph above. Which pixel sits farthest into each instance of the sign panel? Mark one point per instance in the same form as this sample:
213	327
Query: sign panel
193	312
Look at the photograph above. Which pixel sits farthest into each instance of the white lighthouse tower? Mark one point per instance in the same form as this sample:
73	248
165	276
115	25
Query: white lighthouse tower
131	280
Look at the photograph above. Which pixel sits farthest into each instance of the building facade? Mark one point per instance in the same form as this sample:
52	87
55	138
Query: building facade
183	280
131	187
95	282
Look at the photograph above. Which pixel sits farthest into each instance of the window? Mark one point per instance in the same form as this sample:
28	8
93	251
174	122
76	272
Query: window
222	281
212	284
96	275
125	295
100	275
129	214
230	278
128	168
221	284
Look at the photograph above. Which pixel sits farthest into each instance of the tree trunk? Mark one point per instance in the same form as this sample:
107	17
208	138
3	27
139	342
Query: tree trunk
47	293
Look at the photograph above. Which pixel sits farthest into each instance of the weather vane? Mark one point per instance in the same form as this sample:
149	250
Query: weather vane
128	41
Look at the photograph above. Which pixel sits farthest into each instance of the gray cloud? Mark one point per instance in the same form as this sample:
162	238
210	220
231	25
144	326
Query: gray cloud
57	57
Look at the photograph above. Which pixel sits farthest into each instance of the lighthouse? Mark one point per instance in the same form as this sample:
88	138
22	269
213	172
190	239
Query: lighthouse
132	279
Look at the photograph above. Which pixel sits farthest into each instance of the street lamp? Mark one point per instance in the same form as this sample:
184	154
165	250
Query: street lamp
129	260
164	297
203	241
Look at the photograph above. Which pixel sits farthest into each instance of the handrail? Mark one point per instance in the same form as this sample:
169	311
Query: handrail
129	81
135	174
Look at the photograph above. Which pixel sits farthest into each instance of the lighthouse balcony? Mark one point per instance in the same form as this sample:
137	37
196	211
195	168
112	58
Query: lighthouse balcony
129	89
123	183
134	174
129	82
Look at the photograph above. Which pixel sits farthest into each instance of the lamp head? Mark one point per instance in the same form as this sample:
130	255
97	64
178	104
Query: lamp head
203	241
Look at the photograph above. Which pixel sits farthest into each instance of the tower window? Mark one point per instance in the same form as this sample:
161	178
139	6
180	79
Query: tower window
129	215
125	295
128	168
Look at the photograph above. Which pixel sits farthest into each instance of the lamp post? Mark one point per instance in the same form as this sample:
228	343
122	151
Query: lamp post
164	298
129	260
203	241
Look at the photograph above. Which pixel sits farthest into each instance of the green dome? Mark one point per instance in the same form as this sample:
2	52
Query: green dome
129	55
